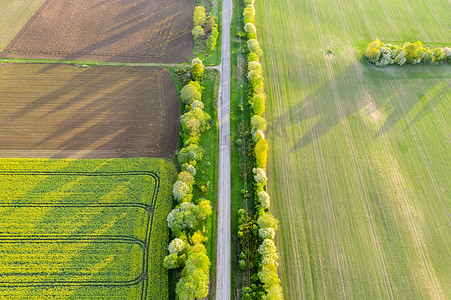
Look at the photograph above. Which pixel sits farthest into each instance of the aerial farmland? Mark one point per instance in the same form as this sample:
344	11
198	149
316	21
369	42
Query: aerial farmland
359	154
90	130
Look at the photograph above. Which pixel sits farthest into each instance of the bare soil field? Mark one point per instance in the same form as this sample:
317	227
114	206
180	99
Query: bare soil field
62	111
115	30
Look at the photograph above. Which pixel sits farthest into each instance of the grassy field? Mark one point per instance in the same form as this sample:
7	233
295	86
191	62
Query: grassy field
84	228
360	157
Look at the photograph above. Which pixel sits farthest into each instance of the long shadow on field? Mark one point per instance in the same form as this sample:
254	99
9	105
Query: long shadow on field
75	261
96	109
319	112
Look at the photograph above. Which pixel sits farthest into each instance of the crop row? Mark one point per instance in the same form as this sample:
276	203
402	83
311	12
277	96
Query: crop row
257	232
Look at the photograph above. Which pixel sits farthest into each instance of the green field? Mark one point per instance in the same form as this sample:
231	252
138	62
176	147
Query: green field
84	228
360	157
15	14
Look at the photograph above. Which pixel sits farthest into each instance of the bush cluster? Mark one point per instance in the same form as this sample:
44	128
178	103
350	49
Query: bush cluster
204	24
186	220
382	54
257	233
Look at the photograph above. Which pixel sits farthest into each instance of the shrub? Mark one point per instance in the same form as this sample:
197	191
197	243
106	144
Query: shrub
242	264
254	46
261	153
249	14
199	16
197	32
259	175
264	199
252	57
372	51
250	30
171	261
190	92
413	52
266	233
197	71
182	191
267	220
258	123
176	246
190	154
258	104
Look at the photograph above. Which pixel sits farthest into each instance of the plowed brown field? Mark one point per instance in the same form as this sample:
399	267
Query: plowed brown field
62	111
114	30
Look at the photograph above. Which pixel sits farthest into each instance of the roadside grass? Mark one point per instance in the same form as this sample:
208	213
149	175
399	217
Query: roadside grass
78	228
241	164
207	168
210	58
359	156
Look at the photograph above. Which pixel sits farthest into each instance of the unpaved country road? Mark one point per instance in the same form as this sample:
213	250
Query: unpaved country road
223	271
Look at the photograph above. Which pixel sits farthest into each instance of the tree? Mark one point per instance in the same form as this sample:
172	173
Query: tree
195	121
261	153
268	252
264	199
249	14
259	175
176	246
372	52
198	238
252	57
211	41
254	46
186	177
258	123
190	154
258	104
190	92
171	261
203	209
199	16
266	233
193	286
197	71
413	52
197	32
267	220
181	218
250	30
182	191
210	23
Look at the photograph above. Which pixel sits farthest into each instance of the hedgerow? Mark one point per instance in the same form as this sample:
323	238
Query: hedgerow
256	233
204	24
187	219
382	54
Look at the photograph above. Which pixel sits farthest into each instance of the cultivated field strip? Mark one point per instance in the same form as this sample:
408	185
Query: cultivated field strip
15	14
138	31
68	112
78	234
353	163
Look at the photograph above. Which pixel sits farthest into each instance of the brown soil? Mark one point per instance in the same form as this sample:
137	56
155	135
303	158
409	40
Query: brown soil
113	30
62	111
